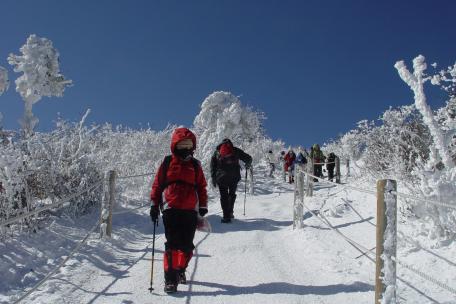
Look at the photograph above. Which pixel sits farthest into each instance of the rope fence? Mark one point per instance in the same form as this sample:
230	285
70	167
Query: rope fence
399	194
138	175
108	203
368	253
61	264
50	206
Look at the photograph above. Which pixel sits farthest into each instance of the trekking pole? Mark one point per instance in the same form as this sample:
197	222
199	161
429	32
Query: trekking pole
245	189
153	257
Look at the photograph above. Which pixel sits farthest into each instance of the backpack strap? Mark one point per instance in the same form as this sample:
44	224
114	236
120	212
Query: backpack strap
165	166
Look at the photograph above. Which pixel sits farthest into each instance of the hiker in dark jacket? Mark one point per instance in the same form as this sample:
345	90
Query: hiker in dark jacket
226	173
330	164
318	159
181	179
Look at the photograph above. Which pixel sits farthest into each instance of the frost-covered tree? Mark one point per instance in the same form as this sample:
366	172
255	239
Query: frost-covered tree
4	82
39	63
438	177
222	115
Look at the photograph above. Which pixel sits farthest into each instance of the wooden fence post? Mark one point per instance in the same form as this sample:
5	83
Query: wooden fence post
298	202
385	272
108	204
337	159
310	170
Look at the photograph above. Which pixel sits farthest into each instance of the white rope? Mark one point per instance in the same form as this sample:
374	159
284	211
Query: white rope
360	216
324	163
340	185
426	276
403	195
357	246
138	175
50	206
354	244
432	202
50	274
130	209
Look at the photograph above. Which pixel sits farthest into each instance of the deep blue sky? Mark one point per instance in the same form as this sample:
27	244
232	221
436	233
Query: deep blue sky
314	67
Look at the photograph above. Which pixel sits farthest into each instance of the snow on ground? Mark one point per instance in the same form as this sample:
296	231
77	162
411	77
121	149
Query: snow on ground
258	258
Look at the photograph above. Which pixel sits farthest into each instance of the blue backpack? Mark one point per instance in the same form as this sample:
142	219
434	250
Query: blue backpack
301	159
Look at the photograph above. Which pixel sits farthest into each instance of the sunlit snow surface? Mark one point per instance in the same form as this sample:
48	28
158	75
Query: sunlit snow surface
258	258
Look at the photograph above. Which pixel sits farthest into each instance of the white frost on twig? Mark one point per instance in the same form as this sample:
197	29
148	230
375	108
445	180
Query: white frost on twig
416	83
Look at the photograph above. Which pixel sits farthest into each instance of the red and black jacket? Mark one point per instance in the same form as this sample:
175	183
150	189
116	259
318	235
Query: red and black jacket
183	188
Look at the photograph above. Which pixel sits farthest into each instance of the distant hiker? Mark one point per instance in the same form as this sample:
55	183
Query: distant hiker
226	173
289	165
330	164
271	161
318	159
281	159
301	158
182	180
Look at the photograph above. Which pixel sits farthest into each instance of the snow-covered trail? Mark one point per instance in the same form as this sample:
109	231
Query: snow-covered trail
258	258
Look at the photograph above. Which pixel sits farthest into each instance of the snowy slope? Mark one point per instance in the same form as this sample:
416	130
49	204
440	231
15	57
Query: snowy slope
258	258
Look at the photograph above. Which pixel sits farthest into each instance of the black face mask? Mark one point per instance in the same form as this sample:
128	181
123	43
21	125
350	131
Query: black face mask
184	153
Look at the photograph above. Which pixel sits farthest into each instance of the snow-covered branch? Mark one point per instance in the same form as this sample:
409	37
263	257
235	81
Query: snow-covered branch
39	63
416	83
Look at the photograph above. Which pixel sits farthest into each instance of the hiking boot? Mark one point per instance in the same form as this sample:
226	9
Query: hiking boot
181	278
170	287
226	220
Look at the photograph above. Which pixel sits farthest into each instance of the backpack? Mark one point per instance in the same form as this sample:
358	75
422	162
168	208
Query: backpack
301	159
165	167
226	155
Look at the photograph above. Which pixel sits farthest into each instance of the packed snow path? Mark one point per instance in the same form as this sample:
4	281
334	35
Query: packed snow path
258	258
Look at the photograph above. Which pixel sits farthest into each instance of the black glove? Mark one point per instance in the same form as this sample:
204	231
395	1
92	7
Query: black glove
154	212
202	211
248	166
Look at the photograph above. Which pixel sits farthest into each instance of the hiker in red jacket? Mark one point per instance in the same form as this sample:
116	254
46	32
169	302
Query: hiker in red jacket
182	180
289	165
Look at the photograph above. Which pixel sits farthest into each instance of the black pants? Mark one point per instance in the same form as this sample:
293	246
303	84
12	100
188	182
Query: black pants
180	227
330	169
227	198
318	171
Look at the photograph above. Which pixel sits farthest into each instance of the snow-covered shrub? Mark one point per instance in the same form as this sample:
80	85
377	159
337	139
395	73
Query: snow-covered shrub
132	152
352	145
12	178
4	83
73	157
413	145
66	162
223	116
41	76
438	175
48	167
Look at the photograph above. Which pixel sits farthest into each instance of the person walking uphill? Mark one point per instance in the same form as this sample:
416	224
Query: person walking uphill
181	178
226	173
330	164
271	161
289	165
318	159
